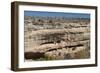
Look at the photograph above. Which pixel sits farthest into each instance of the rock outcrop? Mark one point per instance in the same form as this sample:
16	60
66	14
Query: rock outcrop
56	39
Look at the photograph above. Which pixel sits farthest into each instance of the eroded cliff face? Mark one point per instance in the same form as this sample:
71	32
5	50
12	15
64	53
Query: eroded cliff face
56	38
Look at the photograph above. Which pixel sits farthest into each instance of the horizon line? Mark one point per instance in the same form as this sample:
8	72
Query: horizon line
56	14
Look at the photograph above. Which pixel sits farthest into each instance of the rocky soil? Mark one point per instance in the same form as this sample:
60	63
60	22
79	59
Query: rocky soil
56	38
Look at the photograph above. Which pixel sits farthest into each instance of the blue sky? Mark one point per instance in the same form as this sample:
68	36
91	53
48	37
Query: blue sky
56	14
